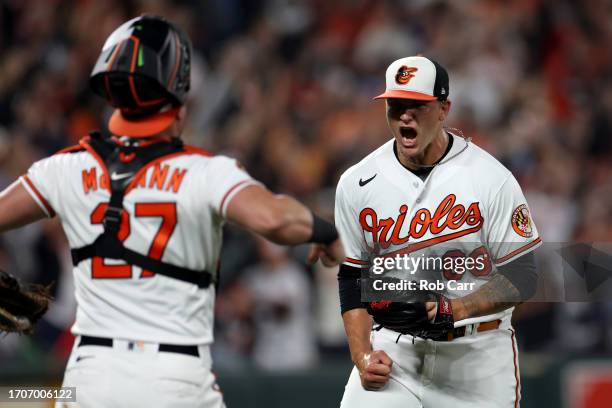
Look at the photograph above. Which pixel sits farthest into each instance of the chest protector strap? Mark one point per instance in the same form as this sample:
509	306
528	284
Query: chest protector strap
122	163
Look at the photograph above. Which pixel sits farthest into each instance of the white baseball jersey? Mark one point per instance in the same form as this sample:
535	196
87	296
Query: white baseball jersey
174	211
469	206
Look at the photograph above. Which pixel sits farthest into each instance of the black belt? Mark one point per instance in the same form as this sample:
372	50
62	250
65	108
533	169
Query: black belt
169	348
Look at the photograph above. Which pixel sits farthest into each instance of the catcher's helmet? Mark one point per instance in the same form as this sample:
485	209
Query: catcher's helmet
143	71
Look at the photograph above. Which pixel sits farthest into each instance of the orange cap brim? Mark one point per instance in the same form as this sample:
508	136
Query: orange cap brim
148	126
399	94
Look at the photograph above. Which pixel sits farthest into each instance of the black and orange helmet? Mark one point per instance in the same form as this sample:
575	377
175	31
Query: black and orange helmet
144	68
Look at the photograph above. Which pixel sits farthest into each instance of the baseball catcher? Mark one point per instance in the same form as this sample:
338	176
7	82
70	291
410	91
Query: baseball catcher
21	305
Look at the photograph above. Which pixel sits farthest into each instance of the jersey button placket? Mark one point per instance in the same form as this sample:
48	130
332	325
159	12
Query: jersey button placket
419	190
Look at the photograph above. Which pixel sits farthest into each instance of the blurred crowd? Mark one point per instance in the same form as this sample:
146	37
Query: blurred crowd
286	87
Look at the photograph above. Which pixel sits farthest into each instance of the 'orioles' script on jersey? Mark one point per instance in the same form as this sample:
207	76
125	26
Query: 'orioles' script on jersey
162	178
447	215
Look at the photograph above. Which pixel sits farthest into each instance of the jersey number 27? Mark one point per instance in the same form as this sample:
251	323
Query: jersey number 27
165	211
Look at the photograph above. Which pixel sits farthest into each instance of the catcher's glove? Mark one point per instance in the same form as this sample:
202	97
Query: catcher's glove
21	305
411	317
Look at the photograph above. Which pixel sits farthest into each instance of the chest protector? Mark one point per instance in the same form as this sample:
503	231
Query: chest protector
122	163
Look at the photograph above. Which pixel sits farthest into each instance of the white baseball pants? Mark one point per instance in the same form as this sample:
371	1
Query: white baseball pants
135	375
476	371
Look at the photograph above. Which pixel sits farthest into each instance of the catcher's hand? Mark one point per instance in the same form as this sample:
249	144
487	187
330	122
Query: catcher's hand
331	254
429	320
21	305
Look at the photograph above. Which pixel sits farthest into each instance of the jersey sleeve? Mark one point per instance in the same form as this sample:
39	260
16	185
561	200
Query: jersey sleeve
511	231
347	224
40	182
225	178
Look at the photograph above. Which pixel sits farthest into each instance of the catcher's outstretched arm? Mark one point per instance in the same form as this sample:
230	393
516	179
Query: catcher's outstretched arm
17	207
279	218
285	221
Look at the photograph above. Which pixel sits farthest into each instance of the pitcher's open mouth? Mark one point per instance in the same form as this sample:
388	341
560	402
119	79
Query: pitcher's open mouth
408	133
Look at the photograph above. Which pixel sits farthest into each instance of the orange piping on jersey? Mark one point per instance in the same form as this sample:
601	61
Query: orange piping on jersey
39	196
518	251
69	149
516	371
188	150
355	261
433	241
230	191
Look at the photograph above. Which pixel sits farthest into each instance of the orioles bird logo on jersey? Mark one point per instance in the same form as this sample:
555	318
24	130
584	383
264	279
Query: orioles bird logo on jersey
405	74
521	222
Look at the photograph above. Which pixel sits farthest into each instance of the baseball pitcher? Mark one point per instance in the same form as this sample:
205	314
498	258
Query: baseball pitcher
430	194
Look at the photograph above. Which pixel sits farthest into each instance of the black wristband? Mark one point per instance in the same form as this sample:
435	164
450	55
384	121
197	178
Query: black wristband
323	232
349	287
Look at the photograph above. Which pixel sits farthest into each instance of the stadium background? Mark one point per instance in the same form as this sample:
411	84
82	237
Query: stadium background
285	86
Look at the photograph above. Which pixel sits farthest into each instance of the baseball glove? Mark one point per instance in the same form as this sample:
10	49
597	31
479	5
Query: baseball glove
411	317
21	305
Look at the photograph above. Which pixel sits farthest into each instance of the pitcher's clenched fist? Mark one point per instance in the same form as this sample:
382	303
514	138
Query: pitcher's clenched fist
374	369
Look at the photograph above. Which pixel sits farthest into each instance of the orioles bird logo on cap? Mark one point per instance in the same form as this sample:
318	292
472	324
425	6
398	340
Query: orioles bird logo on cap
404	74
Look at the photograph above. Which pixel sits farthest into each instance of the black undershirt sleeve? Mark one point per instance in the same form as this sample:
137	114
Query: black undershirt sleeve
350	288
522	273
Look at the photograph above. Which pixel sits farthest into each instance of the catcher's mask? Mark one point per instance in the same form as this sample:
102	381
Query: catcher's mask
143	71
